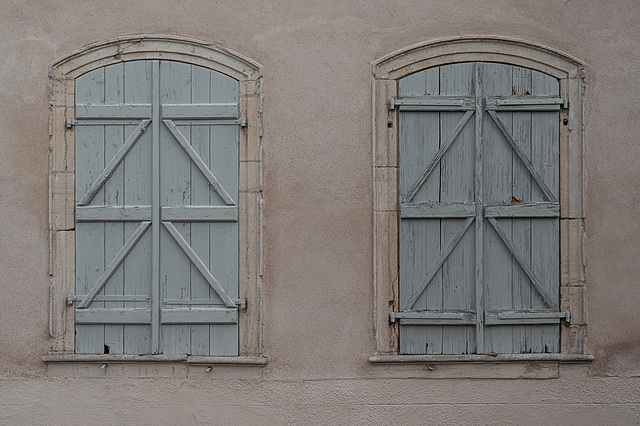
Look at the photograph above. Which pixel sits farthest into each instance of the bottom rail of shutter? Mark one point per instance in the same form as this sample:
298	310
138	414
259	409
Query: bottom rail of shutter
200	316
515	317
113	316
435	318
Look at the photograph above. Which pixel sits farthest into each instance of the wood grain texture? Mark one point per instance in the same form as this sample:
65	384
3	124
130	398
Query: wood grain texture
502	167
418	143
124	270
457	185
90	256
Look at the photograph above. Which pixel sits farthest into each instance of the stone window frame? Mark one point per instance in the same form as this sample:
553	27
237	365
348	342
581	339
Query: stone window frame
62	186
387	71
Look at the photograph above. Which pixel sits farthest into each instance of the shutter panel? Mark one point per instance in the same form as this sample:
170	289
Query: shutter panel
195	153
478	210
444	198
117	320
156	273
509	291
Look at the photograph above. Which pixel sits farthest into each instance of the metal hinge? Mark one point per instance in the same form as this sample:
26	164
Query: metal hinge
70	123
511	317
242	303
243	122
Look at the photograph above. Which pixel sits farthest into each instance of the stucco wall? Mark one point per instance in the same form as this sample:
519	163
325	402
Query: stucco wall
318	292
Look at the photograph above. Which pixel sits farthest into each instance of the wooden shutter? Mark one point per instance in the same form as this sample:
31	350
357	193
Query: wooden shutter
479	212
156	210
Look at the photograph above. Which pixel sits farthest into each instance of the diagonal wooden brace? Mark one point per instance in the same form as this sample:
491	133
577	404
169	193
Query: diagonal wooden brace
213	180
432	165
514	252
115	161
111	269
548	194
427	279
193	256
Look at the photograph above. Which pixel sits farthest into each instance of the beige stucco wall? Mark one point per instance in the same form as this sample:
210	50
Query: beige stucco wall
318	291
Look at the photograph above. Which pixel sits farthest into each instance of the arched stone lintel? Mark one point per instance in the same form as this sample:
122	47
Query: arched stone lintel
470	49
139	47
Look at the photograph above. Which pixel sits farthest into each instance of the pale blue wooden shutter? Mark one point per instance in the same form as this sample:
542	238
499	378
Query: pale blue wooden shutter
156	210
199	195
464	181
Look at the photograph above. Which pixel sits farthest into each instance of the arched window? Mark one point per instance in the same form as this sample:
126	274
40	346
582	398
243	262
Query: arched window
155	199
478	201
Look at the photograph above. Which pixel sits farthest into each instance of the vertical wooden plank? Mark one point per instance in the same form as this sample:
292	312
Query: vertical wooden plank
200	195
545	232
175	178
89	235
223	236
498	161
479	213
114	138
137	191
522	182
156	196
457	185
419	240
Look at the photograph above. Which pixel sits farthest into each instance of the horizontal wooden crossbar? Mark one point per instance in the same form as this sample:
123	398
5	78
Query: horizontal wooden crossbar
200	213
113	316
526	103
241	303
107	111
209	122
196	111
117	121
435	318
529	316
199	316
112	214
436	210
523	210
110	298
170	213
434	103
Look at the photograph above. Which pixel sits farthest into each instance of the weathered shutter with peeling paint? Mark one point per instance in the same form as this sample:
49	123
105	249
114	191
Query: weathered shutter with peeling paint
156	210
479	211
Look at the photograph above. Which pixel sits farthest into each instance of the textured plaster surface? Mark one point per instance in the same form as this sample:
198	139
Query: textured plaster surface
318	292
575	401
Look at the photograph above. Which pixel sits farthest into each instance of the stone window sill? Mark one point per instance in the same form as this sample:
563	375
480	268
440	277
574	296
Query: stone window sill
77	365
499	366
